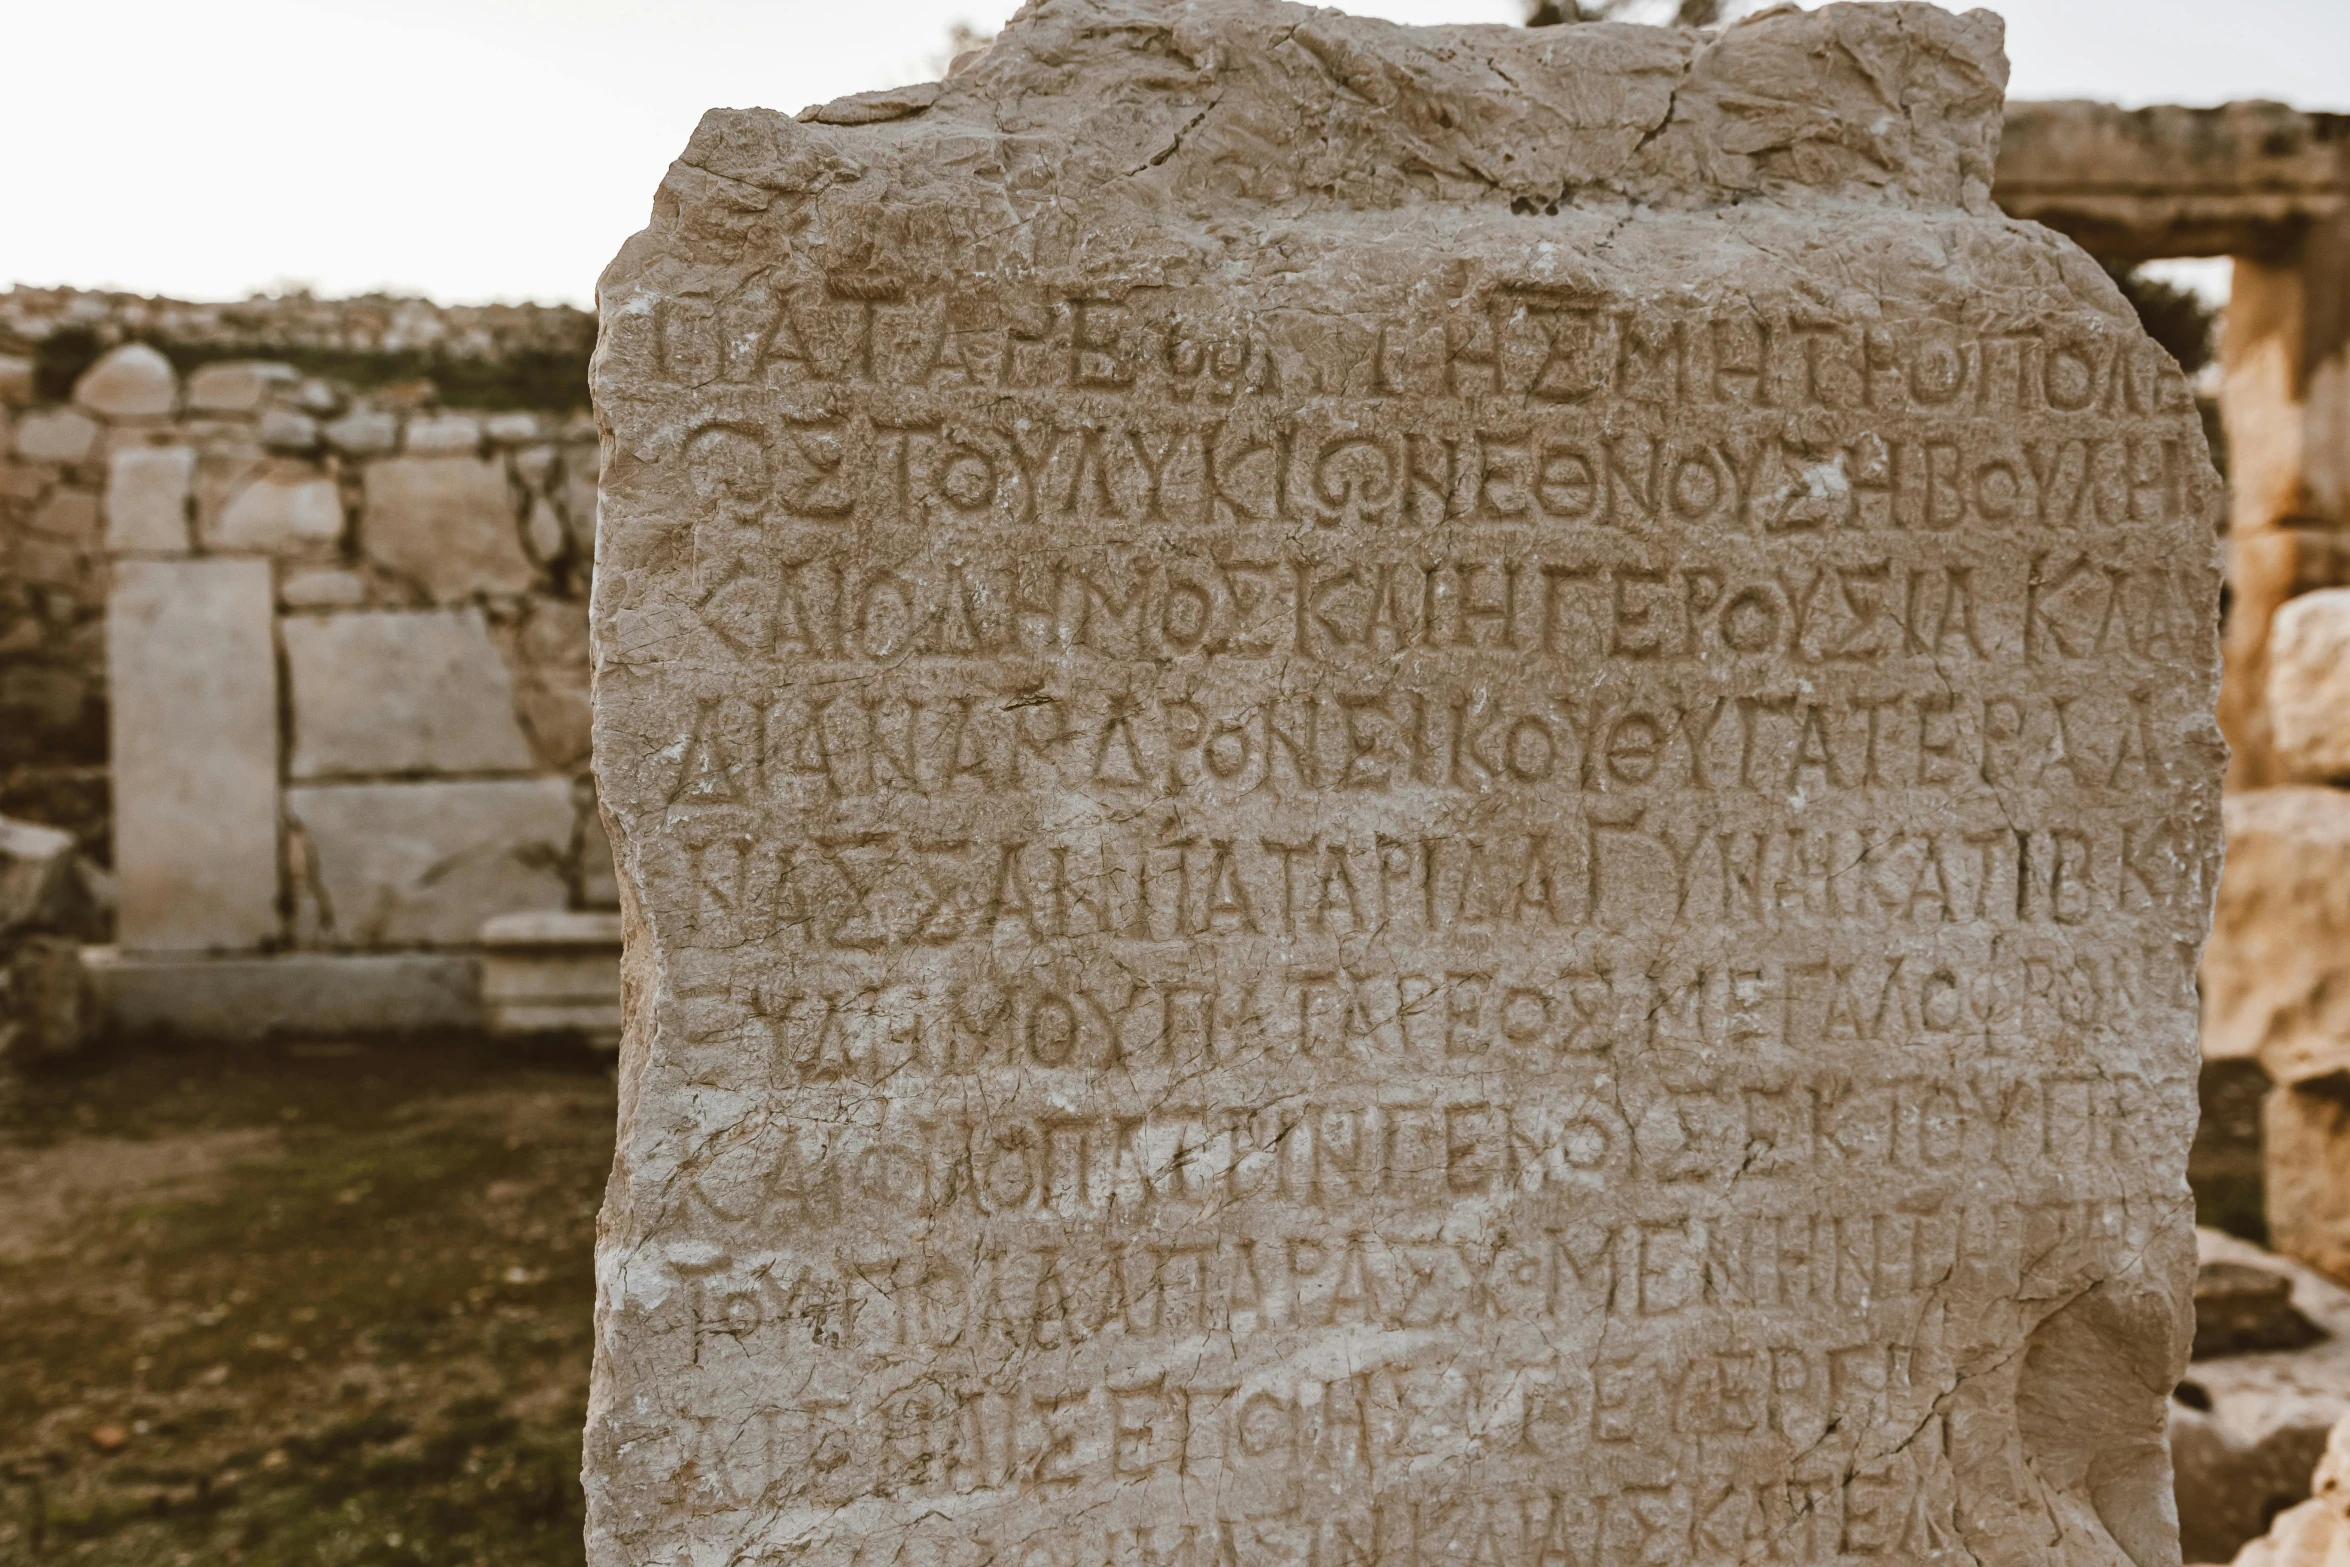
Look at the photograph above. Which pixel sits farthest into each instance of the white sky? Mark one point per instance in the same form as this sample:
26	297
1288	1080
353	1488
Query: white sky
502	149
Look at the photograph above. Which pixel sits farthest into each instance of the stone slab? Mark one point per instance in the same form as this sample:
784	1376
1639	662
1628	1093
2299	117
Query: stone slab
2276	976
286	995
400	691
2309	687
447	522
425	864
1395	795
147	490
192	676
280	510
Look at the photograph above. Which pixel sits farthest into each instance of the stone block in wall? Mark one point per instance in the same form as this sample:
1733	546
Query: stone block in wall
447	523
581	462
400	691
288	430
16	381
444	434
363	432
2276	972
547	649
70	516
284	506
56	435
130	382
147	490
397	864
599	882
322	587
237	387
2309	687
192	670
2305	1157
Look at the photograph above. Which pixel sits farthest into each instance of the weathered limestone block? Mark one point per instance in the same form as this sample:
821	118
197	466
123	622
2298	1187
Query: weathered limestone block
56	435
400	691
2247	1428
547	649
363	432
323	587
147	491
442	434
130	382
427	863
284	506
1420	794
2276	975
192	677
2315	1533
288	430
447	522
238	387
2305	1159
44	885
2309	687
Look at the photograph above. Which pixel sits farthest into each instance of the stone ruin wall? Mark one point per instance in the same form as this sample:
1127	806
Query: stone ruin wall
426	569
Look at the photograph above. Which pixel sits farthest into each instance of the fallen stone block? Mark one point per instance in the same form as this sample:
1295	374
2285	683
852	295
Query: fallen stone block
448	523
2247	1427
426	863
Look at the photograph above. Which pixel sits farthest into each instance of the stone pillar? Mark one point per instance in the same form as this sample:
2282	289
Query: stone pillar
2285	400
192	673
1395	795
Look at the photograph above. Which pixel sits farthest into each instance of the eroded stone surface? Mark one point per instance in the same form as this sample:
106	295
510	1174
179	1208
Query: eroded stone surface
1395	795
400	691
192	681
396	864
147	498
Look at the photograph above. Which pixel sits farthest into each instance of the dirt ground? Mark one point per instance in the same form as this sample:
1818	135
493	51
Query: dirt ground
316	1305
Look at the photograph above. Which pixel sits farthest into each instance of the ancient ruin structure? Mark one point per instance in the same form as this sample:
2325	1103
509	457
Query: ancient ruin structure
328	644
2269	186
1386	794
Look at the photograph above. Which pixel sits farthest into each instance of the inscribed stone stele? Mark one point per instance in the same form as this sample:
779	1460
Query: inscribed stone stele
1406	796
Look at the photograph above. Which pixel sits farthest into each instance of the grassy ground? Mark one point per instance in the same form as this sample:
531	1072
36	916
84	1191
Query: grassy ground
318	1306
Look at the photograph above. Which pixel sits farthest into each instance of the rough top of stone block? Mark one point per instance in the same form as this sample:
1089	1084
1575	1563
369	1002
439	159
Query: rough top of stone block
1844	99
